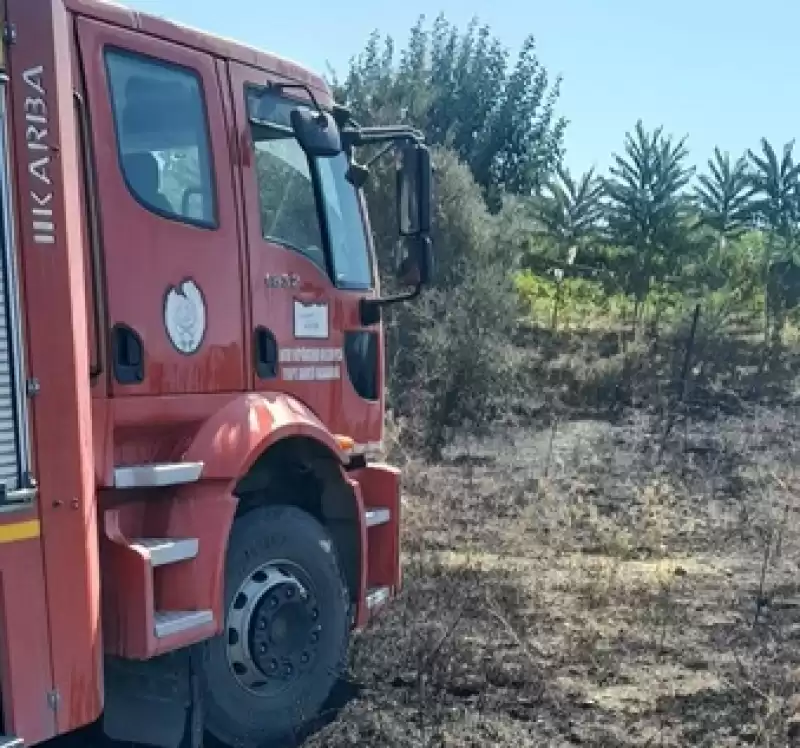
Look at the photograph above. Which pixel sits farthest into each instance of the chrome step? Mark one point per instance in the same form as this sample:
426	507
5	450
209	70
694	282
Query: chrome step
157	475
377	517
10	741
163	551
171	622
378	596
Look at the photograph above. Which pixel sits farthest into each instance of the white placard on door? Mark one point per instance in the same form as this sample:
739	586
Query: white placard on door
311	320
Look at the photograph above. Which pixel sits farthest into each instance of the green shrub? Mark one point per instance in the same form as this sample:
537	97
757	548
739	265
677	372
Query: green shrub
450	353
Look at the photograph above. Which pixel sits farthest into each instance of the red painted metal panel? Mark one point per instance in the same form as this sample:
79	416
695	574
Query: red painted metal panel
26	676
233	439
234	147
380	487
47	163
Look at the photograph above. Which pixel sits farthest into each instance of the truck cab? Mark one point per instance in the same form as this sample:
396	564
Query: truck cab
191	379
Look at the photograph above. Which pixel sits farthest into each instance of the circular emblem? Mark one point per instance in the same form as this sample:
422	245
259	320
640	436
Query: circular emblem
185	317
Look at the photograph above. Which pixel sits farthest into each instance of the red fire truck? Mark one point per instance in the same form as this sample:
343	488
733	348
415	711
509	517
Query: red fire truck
191	379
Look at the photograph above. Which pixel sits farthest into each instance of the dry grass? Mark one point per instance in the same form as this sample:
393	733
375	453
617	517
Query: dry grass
625	599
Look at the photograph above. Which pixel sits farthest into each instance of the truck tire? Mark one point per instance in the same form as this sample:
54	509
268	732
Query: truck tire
286	634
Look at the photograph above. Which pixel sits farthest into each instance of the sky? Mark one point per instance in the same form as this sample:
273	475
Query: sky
723	72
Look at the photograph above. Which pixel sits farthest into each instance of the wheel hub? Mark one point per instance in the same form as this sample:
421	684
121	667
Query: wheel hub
273	628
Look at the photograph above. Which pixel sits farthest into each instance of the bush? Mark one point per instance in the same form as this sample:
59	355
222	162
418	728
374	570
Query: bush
582	301
459	371
450	356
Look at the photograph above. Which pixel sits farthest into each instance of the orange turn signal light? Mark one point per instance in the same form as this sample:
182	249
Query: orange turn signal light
345	443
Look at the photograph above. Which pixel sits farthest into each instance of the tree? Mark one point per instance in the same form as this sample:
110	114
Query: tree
724	196
776	185
647	207
723	200
459	89
569	212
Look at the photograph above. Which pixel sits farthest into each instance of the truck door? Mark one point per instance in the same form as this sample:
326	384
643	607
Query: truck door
310	264
167	212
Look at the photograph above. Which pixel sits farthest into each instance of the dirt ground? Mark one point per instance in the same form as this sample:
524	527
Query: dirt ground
581	586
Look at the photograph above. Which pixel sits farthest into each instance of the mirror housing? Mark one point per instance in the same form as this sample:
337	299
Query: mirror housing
414	268
416	265
414	199
316	132
414	182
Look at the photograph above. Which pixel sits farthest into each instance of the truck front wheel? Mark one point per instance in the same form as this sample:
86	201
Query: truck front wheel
286	628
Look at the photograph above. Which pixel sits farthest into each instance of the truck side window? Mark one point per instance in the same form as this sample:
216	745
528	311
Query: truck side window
286	194
162	137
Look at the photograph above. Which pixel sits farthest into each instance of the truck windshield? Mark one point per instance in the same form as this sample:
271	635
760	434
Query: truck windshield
307	204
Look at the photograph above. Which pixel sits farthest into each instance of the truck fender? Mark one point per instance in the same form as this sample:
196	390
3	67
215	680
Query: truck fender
231	440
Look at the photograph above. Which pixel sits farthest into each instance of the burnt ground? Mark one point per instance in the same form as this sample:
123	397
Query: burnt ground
577	587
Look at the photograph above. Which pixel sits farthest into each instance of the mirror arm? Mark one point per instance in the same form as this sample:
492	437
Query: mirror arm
396	298
382	152
352	138
370	309
373	135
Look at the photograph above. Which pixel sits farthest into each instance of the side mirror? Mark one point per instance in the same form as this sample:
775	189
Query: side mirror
414	177
414	211
316	132
415	266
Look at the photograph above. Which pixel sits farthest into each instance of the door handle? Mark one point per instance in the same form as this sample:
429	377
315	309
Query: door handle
128	355
265	351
